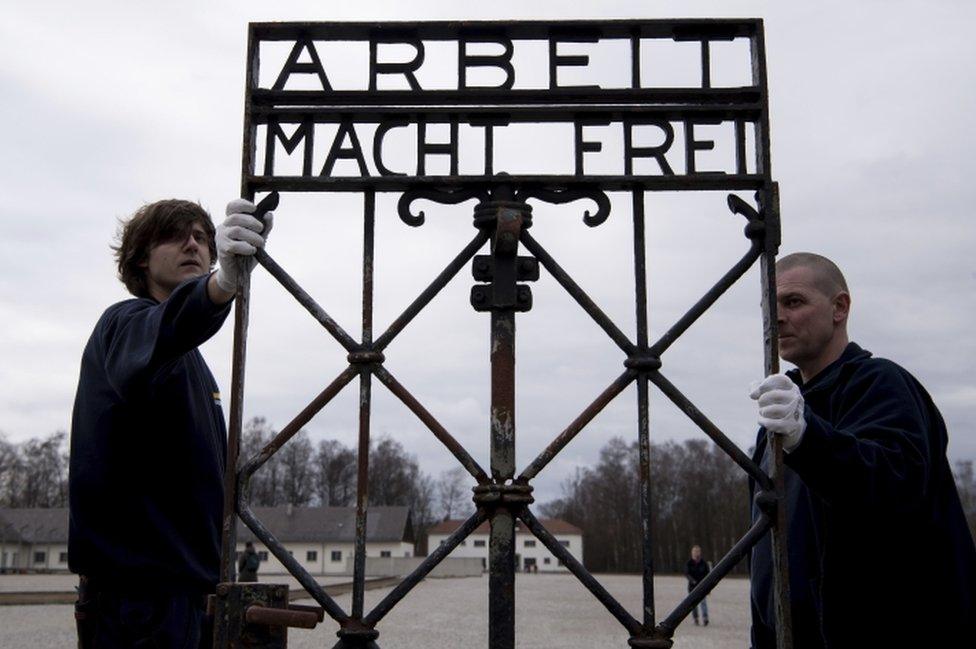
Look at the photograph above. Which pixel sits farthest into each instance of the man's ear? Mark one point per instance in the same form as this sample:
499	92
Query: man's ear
842	306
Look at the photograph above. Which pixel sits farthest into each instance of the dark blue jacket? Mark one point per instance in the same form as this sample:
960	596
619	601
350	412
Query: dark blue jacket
148	447
879	550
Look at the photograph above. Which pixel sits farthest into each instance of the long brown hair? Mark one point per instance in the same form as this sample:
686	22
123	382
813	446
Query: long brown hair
153	224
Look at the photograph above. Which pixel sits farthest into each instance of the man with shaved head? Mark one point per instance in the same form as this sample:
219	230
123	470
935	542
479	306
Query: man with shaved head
880	554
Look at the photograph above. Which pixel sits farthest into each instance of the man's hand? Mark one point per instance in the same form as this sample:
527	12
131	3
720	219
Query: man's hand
238	238
781	408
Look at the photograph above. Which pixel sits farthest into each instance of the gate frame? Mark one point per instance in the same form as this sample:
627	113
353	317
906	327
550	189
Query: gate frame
502	218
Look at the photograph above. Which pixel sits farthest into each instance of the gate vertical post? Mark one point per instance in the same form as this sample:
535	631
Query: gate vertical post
507	217
769	204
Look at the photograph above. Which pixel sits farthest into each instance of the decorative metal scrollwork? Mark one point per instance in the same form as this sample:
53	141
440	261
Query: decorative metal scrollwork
561	196
443	196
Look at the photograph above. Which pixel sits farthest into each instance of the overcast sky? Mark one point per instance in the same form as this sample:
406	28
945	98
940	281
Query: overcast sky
107	106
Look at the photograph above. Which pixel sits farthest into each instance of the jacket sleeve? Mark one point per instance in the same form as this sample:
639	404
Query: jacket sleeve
879	453
141	337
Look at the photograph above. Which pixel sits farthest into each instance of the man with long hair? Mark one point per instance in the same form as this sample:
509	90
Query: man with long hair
148	440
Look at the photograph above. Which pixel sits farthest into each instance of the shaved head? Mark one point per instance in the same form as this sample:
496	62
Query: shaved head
827	277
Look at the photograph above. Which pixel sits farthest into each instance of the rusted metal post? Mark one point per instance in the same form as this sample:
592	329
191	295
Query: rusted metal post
769	203
506	217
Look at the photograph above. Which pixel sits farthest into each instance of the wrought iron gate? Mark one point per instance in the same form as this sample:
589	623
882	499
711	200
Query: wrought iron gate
502	220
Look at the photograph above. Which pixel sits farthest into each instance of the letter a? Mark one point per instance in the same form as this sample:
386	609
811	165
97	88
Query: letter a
292	66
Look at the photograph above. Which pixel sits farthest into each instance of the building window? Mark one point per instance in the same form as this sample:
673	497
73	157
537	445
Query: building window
407	554
263	555
312	555
530	543
337	555
479	543
565	544
386	554
63	557
546	560
40	557
464	542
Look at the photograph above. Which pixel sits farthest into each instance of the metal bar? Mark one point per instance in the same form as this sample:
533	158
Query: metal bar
369	225
493	96
710	429
707	300
514	113
774	443
228	530
722	568
577	293
394	596
468	462
577	425
431	291
501	557
228	534
306	301
702	182
643	409
575	567
306	580
685	28
300	420
365	400
280	617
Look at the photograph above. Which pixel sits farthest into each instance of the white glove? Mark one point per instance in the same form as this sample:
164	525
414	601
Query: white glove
238	238
781	408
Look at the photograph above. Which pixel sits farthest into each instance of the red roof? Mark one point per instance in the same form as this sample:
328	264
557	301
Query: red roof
554	525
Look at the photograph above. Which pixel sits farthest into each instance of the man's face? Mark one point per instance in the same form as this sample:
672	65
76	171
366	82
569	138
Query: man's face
807	318
174	261
696	553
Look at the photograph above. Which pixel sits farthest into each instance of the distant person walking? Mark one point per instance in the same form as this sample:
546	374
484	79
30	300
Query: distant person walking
248	563
695	571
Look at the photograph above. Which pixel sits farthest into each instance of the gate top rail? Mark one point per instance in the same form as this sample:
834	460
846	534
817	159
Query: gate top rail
306	106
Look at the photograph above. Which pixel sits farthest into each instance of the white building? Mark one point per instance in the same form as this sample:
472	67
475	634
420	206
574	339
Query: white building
530	553
33	539
322	539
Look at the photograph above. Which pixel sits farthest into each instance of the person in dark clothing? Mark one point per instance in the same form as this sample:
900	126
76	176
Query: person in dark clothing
148	440
880	554
695	571
248	564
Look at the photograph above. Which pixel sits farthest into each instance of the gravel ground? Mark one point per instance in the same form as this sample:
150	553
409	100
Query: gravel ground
552	611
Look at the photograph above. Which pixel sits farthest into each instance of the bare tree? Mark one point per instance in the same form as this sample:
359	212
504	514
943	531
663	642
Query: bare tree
266	483
335	474
698	497
454	494
34	473
297	470
395	478
966	485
